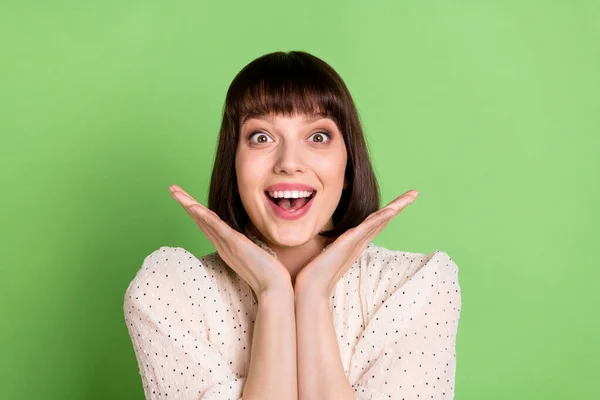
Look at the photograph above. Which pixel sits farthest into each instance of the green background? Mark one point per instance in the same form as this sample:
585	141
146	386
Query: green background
490	109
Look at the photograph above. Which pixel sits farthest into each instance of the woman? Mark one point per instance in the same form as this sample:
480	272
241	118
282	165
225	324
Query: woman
296	302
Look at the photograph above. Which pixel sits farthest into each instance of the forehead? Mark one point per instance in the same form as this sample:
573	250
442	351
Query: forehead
275	118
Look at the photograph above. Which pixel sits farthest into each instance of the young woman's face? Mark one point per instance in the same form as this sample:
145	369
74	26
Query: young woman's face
290	157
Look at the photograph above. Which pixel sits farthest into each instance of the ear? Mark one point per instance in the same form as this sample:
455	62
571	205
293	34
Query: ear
345	183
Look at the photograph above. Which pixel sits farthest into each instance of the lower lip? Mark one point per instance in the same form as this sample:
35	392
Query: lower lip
283	213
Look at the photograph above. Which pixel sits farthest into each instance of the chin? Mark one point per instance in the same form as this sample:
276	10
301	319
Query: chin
292	236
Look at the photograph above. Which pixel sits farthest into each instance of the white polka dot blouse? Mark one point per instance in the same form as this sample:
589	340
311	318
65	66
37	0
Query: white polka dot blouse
395	316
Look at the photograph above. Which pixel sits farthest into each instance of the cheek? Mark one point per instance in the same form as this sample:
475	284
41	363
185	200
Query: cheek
248	172
333	168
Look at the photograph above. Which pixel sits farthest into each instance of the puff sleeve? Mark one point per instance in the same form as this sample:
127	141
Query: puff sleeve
407	350
175	359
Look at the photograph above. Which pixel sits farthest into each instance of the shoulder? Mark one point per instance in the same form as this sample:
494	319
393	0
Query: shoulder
418	281
381	260
170	261
387	270
173	267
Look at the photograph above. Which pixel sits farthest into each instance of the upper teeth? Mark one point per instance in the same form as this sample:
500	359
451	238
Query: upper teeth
290	194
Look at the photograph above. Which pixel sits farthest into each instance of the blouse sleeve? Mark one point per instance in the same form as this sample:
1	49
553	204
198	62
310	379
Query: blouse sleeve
171	364
407	350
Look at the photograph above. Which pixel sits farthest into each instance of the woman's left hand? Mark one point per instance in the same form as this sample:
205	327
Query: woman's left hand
319	276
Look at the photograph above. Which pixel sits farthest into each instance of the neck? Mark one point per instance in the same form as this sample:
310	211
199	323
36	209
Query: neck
294	258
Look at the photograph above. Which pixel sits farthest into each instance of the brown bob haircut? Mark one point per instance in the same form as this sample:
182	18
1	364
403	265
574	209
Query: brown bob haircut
292	83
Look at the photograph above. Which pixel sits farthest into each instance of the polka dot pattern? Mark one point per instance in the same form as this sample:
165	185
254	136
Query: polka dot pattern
395	316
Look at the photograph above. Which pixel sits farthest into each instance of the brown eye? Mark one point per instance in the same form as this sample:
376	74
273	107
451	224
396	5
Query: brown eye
260	137
320	137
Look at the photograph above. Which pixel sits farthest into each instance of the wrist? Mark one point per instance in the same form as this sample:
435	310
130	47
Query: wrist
309	294
281	292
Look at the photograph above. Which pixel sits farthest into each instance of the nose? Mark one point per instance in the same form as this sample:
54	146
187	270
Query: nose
289	159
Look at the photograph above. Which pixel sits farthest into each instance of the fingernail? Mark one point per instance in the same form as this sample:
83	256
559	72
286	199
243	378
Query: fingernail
171	189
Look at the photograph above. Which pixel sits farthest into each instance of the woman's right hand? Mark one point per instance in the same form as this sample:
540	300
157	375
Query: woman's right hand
258	268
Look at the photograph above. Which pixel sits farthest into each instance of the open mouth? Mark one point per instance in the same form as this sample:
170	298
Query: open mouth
290	201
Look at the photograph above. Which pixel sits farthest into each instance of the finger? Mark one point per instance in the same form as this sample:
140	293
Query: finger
193	207
396	205
402	201
220	227
183	197
188	201
207	220
360	231
358	237
391	210
175	188
379	226
375	222
180	194
197	211
386	214
215	229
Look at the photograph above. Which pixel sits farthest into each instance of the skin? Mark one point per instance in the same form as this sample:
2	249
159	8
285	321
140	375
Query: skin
304	275
290	149
261	271
317	372
275	149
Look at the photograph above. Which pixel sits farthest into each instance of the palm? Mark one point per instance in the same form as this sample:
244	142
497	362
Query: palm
323	272
257	267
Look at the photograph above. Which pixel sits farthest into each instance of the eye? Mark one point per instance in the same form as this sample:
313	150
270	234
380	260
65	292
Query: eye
261	137
321	137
